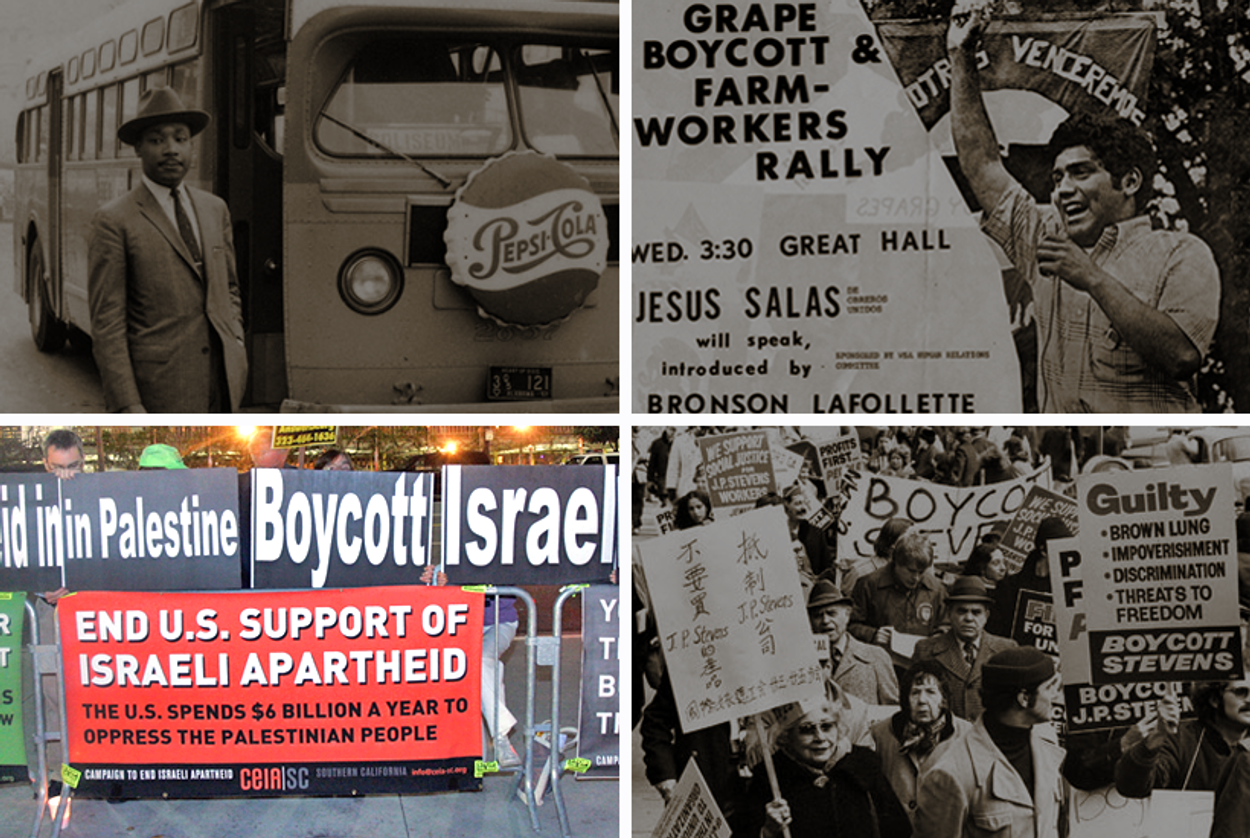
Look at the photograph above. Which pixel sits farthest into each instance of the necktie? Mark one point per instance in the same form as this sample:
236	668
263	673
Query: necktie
970	654
835	658
184	228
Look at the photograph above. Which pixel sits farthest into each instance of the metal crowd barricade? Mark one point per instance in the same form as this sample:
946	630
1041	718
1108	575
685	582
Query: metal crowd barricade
525	778
556	762
45	660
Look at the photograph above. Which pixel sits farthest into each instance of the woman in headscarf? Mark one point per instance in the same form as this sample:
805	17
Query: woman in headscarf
906	741
829	788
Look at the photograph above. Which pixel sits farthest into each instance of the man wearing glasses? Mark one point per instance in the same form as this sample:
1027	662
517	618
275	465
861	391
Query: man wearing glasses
63	454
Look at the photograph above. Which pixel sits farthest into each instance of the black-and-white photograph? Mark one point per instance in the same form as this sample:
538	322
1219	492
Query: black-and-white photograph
307	206
925	631
935	207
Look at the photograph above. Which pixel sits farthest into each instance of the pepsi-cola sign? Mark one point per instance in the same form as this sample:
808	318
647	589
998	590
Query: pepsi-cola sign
527	238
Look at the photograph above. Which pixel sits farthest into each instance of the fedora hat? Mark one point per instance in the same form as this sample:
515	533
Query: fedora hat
158	106
969	589
825	593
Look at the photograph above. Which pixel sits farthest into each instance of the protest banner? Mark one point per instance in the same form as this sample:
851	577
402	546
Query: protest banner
598	726
956	517
1106	813
1084	63
529	525
666	520
1018	538
1158	567
1092	707
340	529
837	457
166	530
294	436
738	468
692	811
353	691
728	605
32	533
12	736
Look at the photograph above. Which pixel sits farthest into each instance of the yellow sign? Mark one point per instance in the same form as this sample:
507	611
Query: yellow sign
297	436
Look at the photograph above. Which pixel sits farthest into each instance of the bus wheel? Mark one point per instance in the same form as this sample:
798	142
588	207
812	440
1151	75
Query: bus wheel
45	327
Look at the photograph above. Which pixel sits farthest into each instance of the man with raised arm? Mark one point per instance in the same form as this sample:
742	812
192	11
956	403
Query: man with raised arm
1125	314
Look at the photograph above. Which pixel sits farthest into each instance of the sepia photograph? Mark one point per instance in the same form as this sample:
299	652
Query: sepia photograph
308	206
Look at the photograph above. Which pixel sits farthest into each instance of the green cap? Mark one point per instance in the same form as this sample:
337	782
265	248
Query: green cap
160	456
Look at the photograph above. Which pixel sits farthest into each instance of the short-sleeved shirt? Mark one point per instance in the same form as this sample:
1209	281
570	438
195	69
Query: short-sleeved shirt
1085	366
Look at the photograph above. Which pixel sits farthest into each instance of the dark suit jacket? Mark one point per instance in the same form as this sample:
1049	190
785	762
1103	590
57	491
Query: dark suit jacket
153	314
964	682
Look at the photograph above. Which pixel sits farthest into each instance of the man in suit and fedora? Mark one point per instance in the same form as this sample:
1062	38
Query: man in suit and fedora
861	670
166	316
964	649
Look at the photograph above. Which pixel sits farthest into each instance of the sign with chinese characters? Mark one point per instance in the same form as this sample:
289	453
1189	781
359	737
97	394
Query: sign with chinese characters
729	604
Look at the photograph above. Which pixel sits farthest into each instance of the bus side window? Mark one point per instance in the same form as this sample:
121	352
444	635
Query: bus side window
90	125
20	137
72	126
108	122
129	105
41	126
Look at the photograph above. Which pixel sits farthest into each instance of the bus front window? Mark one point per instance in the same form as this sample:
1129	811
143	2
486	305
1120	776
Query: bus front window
569	100
422	98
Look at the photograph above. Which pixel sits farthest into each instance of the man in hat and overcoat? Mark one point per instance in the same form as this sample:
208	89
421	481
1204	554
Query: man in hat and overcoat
861	670
166	316
963	650
1002	776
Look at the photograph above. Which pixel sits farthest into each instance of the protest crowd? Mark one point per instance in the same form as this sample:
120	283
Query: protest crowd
945	709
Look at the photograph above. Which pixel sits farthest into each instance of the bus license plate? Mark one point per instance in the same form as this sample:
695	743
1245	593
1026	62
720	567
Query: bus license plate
519	383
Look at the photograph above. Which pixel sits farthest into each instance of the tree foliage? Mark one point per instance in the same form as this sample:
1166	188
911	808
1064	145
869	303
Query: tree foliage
1197	113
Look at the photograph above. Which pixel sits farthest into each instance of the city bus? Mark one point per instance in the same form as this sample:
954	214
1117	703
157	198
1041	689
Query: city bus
424	193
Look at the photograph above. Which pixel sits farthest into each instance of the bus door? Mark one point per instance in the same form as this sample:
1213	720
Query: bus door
56	159
250	56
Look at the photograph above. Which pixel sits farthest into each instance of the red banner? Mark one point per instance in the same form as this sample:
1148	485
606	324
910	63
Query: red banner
307	692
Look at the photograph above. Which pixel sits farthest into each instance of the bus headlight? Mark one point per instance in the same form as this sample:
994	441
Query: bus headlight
370	281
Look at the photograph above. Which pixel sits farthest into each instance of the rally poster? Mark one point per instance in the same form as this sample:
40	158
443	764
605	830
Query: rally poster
1020	535
956	517
728	603
12	737
738	468
32	533
152	531
692	812
805	240
330	692
1158	565
598	725
340	529
529	525
1093	707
